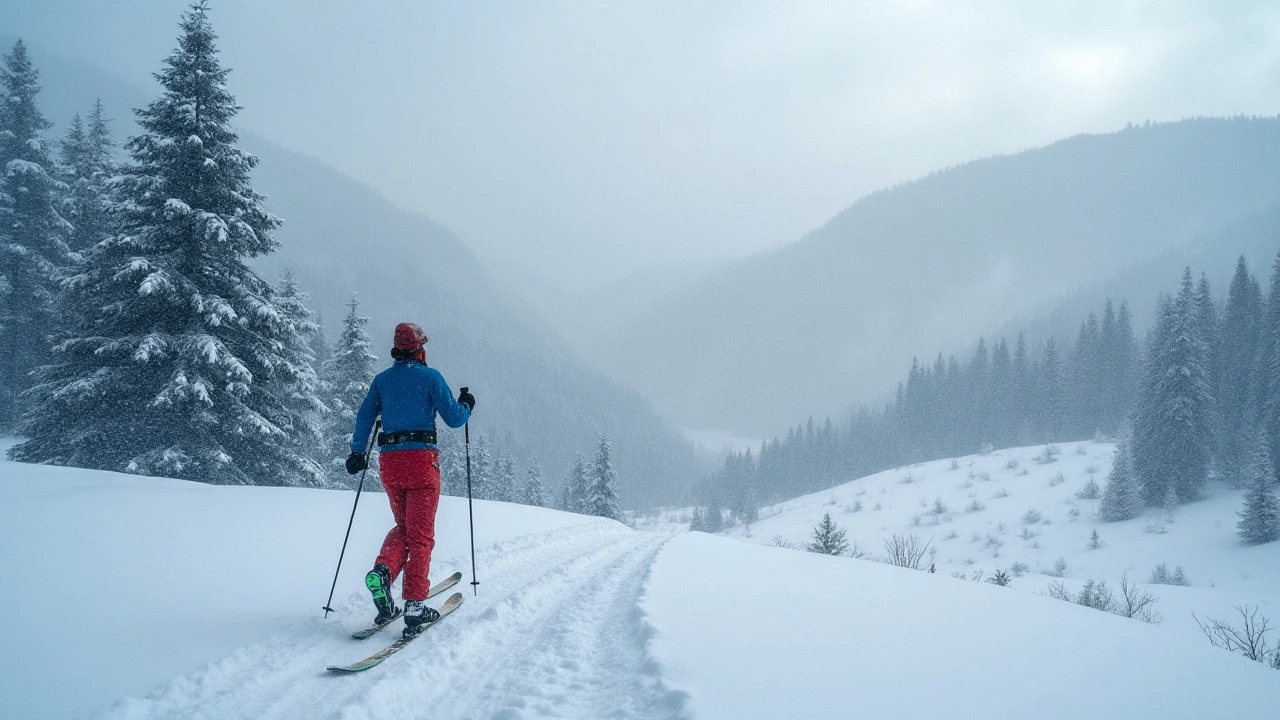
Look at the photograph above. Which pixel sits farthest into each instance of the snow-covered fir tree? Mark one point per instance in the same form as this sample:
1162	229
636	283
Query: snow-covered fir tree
453	463
482	468
1267	381
1260	519
33	233
345	375
177	357
828	538
87	164
504	479
534	493
1172	428
1238	340
298	384
1122	498
573	492
602	492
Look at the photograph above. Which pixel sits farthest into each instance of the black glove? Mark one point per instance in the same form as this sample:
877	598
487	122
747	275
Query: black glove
356	463
466	398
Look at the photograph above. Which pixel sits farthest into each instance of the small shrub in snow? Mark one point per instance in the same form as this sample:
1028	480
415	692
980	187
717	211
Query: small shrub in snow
1023	472
952	535
972	474
986	449
1058	591
1000	578
1137	603
1091	470
828	538
965	485
779	541
915	519
969	561
1060	567
877	507
1095	541
905	551
855	507
1048	455
856	551
975	505
1097	596
861	492
1028	534
1000	528
1073	514
1249	639
1011	464
1090	491
939	507
984	476
959	575
955	464
831	500
1081	451
1018	569
906	479
1035	544
991	541
1057	479
1031	517
1160	575
1001	493
975	537
1046	521
1159	526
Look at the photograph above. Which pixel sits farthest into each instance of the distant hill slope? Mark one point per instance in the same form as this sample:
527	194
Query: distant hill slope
342	237
930	264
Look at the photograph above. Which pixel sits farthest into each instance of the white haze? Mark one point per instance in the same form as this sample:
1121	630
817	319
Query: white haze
580	142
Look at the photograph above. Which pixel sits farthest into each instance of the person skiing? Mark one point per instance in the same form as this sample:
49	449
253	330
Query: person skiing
407	396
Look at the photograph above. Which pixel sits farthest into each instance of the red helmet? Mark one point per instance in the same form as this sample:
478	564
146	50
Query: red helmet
409	337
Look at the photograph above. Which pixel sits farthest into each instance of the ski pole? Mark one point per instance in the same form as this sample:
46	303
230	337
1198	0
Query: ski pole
471	520
367	452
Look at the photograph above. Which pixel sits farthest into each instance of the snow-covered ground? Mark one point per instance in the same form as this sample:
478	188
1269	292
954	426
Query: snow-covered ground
997	532
128	597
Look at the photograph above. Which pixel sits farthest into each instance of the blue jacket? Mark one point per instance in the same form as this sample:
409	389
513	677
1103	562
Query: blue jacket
407	395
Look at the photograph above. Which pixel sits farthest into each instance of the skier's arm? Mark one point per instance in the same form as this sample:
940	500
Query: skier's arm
369	411
454	413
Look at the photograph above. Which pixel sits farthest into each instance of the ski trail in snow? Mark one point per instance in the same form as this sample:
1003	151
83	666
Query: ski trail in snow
556	632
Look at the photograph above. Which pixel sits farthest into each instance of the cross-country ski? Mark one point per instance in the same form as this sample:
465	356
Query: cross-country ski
448	607
436	589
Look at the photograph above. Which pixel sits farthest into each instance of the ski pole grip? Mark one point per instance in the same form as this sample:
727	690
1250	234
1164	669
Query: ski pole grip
463	389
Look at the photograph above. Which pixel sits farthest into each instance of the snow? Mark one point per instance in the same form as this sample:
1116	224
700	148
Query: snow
1201	538
756	632
131	597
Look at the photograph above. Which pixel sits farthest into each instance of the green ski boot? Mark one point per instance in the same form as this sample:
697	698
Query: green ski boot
379	583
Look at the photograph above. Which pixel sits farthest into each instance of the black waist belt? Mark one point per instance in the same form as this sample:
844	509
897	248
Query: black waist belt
395	438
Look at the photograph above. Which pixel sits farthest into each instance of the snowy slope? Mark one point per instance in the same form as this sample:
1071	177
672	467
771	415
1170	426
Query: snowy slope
758	633
1007	484
129	598
114	584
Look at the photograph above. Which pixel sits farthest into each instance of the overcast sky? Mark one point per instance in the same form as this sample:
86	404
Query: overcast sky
580	141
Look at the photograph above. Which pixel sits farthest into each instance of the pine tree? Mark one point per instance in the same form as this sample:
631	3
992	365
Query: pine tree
346	375
1267	379
298	385
504	488
33	233
1122	498
828	538
453	463
177	357
534	493
86	167
482	469
1260	519
1172	434
573	492
602	493
1239	341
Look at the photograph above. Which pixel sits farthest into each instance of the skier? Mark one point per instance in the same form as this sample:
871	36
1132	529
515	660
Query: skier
407	395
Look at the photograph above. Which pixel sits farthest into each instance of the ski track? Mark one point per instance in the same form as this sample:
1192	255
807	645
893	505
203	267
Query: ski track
555	632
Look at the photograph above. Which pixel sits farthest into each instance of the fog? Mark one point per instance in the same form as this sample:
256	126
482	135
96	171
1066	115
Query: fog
576	143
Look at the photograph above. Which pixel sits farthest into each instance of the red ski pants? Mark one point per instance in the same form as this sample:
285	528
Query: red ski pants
412	481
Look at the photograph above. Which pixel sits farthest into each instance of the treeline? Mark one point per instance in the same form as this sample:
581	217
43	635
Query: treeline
137	339
1206	383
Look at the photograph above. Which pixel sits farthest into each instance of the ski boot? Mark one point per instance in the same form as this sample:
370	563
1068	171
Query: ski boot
379	583
418	616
